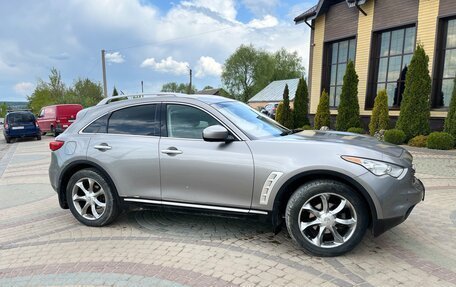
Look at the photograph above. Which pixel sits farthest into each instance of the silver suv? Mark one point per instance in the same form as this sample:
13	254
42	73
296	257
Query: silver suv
213	153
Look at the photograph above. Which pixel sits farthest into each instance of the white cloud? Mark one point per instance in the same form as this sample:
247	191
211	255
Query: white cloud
207	66
268	21
168	65
24	88
260	7
225	8
114	57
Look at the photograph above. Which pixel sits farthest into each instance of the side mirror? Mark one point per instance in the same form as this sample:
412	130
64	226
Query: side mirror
215	133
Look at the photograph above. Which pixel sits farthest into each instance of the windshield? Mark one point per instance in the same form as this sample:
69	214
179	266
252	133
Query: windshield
254	124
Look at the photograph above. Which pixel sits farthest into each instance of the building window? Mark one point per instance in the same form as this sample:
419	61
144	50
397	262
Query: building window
338	55
394	52
447	63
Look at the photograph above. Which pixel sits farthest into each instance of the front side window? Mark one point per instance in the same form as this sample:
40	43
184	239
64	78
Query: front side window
448	65
137	120
187	122
339	53
395	51
254	124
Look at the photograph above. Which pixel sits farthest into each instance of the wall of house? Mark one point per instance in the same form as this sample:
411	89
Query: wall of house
381	14
317	61
341	22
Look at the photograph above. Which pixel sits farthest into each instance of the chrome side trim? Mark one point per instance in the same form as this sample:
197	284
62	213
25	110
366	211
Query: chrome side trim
268	186
180	204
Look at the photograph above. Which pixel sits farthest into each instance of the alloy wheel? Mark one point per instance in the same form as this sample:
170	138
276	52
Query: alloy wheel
89	198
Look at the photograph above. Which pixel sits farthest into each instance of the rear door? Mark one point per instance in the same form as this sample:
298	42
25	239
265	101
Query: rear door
125	144
21	124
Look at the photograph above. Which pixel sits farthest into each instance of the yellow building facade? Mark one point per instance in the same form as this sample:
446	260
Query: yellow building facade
380	37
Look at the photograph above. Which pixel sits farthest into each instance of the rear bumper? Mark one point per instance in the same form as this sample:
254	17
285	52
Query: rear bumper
22	135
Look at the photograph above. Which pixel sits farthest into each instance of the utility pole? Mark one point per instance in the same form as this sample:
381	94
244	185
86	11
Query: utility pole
103	65
190	85
142	87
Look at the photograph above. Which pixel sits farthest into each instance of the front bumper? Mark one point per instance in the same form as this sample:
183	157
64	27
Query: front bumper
394	198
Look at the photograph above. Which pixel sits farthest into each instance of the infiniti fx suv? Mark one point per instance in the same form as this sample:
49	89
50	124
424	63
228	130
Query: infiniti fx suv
215	154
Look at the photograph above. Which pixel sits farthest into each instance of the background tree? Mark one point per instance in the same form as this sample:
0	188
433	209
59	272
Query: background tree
287	114
301	105
83	91
348	110
114	92
380	117
322	117
248	70
208	88
279	110
173	87
3	110
415	107
450	121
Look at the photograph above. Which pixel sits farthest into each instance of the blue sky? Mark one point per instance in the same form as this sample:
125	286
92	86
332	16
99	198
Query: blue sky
150	41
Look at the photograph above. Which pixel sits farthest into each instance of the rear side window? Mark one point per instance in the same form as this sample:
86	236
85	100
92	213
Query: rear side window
98	126
138	120
21	118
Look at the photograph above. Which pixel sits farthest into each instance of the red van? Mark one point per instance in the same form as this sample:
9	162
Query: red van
57	118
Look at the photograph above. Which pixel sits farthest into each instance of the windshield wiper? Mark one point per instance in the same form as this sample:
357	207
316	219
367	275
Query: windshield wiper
290	132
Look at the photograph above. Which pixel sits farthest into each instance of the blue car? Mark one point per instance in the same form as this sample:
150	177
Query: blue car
20	124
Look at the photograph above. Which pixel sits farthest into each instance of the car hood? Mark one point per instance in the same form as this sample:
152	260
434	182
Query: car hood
358	140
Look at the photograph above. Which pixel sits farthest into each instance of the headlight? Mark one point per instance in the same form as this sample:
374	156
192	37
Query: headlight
376	167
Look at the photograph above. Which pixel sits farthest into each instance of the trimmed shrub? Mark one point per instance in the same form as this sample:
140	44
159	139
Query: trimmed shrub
306	127
286	118
278	115
301	105
380	117
348	110
356	130
394	136
418	141
415	107
440	140
450	121
322	117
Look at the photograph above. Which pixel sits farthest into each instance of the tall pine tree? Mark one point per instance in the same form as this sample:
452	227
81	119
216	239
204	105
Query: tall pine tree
415	106
287	116
380	117
301	105
450	121
348	110
322	117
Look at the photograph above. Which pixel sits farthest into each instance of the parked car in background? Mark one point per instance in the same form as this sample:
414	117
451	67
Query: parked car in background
20	124
57	118
270	110
212	153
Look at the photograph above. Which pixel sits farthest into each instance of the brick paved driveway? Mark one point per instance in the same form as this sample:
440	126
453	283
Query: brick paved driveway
41	244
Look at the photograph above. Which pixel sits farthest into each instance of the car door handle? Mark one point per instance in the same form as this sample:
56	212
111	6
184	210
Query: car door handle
171	151
102	147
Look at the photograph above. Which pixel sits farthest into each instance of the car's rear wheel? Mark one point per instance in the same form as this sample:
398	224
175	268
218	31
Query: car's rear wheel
38	137
91	199
54	131
8	139
326	217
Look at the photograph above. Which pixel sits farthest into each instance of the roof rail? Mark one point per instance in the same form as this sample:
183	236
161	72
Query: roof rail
108	100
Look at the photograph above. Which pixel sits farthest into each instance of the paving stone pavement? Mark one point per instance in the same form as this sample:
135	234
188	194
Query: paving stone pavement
43	245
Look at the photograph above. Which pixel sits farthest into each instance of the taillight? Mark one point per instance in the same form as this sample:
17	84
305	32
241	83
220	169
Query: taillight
6	126
55	145
36	123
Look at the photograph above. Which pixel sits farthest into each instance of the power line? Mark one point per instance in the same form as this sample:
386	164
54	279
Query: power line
169	40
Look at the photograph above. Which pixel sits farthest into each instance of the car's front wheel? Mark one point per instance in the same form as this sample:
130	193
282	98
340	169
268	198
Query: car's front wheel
91	198
326	217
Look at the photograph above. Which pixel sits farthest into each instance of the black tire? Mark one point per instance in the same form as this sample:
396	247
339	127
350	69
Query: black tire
8	139
310	191
110	199
38	137
54	131
43	133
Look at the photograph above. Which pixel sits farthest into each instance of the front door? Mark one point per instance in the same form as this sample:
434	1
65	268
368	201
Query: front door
196	171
